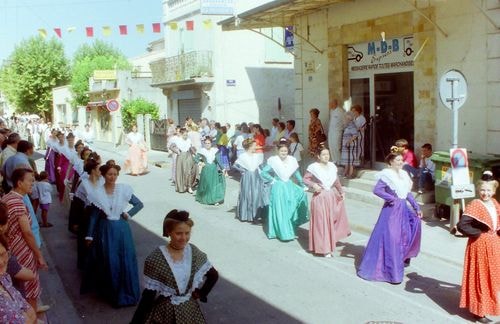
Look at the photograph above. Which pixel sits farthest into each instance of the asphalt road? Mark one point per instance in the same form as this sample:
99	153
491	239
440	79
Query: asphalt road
261	280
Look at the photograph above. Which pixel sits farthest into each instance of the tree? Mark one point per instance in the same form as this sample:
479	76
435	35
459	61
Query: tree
35	67
88	58
132	108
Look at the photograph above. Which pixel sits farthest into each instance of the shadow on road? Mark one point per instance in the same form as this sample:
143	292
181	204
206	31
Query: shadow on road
446	295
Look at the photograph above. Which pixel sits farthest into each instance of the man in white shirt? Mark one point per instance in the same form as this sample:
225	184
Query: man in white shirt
274	129
335	129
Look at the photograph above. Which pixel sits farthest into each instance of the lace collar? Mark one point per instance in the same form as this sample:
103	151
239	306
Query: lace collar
209	154
249	161
284	169
113	206
399	181
327	175
183	144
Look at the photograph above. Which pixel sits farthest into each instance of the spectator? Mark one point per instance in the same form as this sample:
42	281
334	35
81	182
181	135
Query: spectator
425	172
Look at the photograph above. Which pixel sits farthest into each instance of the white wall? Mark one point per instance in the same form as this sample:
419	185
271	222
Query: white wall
62	96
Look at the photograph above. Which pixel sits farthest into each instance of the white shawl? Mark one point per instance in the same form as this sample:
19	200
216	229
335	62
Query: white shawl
284	169
399	181
209	154
249	161
327	175
113	206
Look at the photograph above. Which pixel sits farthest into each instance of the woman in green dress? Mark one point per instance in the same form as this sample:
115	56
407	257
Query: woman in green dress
212	185
176	276
288	201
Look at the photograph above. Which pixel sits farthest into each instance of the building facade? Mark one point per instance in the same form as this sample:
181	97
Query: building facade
389	56
227	77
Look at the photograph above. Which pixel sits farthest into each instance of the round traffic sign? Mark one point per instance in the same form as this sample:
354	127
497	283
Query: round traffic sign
453	89
112	105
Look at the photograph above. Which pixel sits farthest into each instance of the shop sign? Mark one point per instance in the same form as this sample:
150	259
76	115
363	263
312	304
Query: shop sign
104	75
217	7
382	55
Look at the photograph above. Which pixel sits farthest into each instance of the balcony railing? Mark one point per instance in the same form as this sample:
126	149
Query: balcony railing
197	64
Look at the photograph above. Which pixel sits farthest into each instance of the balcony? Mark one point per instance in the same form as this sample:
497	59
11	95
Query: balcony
191	67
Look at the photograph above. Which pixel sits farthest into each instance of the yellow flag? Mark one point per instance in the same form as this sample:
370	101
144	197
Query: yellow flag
139	28
71	29
173	25
106	31
42	32
207	24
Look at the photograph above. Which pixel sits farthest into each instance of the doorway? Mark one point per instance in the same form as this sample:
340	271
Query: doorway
387	102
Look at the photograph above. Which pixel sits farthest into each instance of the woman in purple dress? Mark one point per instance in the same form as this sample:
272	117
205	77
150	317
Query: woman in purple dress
396	236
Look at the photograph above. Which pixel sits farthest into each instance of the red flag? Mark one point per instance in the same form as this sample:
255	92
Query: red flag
123	30
58	32
90	31
156	28
189	25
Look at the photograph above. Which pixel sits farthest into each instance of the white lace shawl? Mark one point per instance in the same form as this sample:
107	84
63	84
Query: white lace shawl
209	154
327	175
284	169
112	206
249	161
134	138
400	181
86	188
199	278
183	144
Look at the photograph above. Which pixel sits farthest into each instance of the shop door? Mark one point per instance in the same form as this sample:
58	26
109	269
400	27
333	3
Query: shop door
189	108
393	111
360	95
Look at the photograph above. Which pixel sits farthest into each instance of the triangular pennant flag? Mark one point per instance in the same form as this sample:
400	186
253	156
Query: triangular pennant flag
173	25
189	25
156	28
58	32
106	31
42	32
89	31
207	24
71	29
123	30
139	28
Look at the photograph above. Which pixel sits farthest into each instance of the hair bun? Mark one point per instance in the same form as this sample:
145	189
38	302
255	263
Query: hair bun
396	149
487	176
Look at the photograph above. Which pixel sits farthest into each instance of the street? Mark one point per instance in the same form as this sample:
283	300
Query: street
261	280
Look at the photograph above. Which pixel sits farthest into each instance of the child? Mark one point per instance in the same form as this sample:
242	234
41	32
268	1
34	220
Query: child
45	193
296	150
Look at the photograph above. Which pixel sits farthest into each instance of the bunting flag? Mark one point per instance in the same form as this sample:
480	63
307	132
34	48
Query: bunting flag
173	25
106	31
207	24
123	30
139	28
42	32
189	25
71	29
156	28
89	31
58	32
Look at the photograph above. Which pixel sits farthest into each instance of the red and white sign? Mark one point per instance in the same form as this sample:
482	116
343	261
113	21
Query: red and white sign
113	105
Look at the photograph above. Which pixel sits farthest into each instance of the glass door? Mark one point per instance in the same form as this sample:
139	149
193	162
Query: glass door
360	95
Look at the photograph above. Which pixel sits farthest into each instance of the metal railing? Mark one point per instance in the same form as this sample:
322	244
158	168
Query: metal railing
196	64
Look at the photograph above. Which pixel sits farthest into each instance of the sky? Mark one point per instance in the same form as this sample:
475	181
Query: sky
21	19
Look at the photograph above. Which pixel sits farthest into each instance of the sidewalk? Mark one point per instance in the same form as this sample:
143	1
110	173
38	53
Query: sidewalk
437	242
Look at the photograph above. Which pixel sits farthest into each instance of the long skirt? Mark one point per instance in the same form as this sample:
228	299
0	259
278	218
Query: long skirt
185	172
251	199
224	156
395	238
328	223
481	278
287	210
50	165
111	267
137	160
212	186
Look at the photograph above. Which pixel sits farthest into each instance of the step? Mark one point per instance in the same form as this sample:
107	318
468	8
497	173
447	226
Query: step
364	196
362	184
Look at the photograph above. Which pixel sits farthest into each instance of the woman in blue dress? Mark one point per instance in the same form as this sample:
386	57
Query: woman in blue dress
288	201
396	235
112	265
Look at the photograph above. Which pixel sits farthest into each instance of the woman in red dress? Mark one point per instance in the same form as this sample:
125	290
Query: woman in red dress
481	278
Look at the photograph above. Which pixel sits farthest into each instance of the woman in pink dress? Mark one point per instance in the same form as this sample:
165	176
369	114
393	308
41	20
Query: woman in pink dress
64	171
137	160
328	222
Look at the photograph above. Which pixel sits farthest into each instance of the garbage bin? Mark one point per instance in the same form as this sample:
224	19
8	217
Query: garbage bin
443	180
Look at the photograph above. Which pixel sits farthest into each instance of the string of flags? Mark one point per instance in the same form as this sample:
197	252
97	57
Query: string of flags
123	30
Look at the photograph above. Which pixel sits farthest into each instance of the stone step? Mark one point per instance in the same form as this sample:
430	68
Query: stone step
363	196
359	183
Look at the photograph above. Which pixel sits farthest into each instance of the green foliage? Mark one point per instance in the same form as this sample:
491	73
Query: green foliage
98	56
35	67
130	109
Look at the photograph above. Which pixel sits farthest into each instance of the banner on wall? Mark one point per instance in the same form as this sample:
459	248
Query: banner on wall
289	39
382	55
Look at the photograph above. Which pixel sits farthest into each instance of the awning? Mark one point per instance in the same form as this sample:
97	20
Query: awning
277	13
